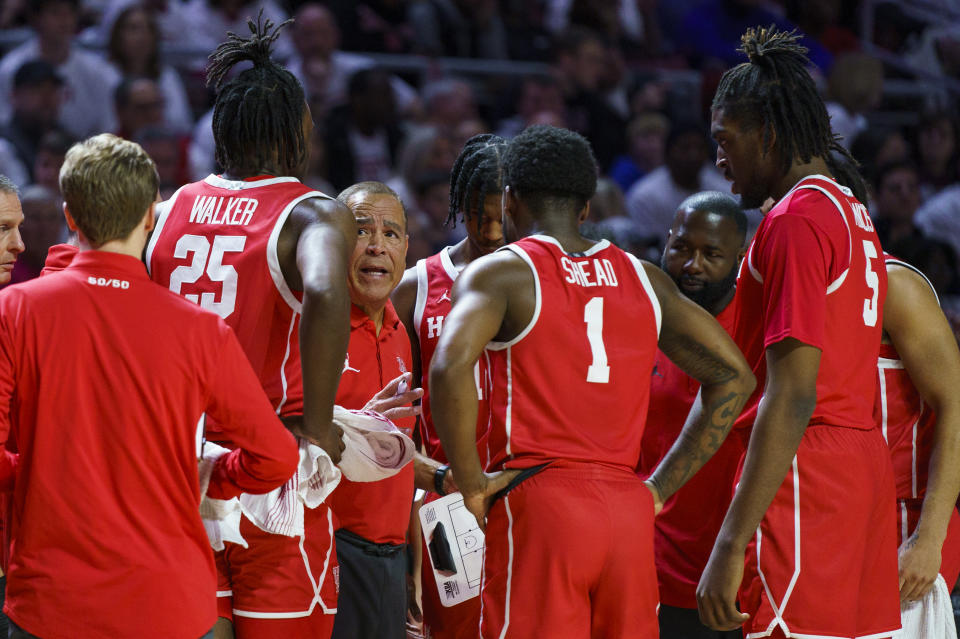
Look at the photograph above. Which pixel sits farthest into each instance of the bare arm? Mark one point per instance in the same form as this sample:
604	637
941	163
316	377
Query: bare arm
789	398
481	298
314	248
921	334
695	342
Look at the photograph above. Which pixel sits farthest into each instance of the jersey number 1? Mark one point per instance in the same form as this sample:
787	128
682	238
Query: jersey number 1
216	270
598	372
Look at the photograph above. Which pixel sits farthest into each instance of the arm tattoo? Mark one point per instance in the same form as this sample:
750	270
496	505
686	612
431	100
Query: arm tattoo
697	359
697	443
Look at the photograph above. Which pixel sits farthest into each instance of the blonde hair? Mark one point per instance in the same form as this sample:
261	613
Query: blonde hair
108	184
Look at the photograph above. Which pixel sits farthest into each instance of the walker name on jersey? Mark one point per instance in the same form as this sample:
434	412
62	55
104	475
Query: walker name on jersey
108	281
217	209
589	272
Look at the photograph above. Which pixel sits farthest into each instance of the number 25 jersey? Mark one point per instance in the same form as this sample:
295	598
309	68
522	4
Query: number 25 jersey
574	384
216	245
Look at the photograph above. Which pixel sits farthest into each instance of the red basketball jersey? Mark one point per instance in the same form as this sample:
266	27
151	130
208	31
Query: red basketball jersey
904	419
435	276
573	385
814	272
217	246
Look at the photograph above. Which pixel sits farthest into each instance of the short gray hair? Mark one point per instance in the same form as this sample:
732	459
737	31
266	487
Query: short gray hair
7	185
371	187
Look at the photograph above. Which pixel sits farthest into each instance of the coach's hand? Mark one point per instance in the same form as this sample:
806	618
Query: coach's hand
919	564
717	591
477	498
393	402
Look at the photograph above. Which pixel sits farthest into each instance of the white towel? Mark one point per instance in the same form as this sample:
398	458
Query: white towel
375	447
221	517
930	617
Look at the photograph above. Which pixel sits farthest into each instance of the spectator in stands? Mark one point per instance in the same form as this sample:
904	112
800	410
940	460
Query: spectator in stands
87	76
209	20
646	141
820	20
712	31
167	148
50	154
172	18
139	104
896	192
134	51
364	134
458	28
373	25
430	207
37	97
45	227
425	149
937	151
448	102
580	59
536	94
855	86
324	70
939	216
633	26
653	200
877	146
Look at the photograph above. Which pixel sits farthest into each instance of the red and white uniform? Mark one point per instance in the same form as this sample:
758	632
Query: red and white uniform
377	511
907	423
570	550
685	528
435	277
814	272
217	246
103	378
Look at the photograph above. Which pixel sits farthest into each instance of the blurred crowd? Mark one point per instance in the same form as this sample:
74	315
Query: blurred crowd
392	103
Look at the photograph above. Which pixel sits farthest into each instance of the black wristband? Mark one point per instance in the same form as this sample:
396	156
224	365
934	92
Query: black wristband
439	475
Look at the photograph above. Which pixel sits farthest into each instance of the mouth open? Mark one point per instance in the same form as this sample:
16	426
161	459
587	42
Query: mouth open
374	271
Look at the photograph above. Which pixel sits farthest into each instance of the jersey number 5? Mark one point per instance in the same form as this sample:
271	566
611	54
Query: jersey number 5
598	372
216	270
873	281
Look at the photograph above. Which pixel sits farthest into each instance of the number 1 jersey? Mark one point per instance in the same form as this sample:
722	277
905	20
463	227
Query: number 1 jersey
216	245
575	383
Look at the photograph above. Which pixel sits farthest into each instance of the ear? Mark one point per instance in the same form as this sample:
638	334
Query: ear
584	214
71	224
770	146
150	218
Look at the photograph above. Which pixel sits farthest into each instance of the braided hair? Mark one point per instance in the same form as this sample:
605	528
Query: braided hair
477	172
774	91
257	116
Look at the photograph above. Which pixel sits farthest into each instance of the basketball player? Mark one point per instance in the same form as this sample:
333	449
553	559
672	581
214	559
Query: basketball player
812	508
103	378
702	255
423	301
570	549
269	255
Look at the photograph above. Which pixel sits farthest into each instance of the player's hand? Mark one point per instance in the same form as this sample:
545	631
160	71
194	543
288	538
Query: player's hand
330	439
919	564
477	499
657	500
393	402
717	590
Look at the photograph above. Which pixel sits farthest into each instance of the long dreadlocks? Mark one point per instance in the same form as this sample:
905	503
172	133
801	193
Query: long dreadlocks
477	173
774	91
257	117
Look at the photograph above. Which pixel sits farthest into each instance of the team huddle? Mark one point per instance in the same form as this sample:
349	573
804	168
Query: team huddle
747	440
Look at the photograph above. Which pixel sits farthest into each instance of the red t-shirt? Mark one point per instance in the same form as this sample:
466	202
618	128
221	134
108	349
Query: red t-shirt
906	421
685	528
435	277
377	511
814	272
217	246
105	376
567	387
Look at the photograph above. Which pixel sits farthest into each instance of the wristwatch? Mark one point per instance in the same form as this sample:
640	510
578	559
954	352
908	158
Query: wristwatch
439	475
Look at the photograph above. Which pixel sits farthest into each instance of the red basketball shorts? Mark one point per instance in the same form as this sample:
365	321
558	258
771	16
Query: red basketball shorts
823	562
569	553
908	513
279	577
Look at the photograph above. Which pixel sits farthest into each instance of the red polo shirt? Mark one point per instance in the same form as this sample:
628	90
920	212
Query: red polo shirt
103	378
377	511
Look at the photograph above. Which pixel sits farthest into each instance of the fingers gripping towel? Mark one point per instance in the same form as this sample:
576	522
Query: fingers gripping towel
221	517
375	447
930	617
